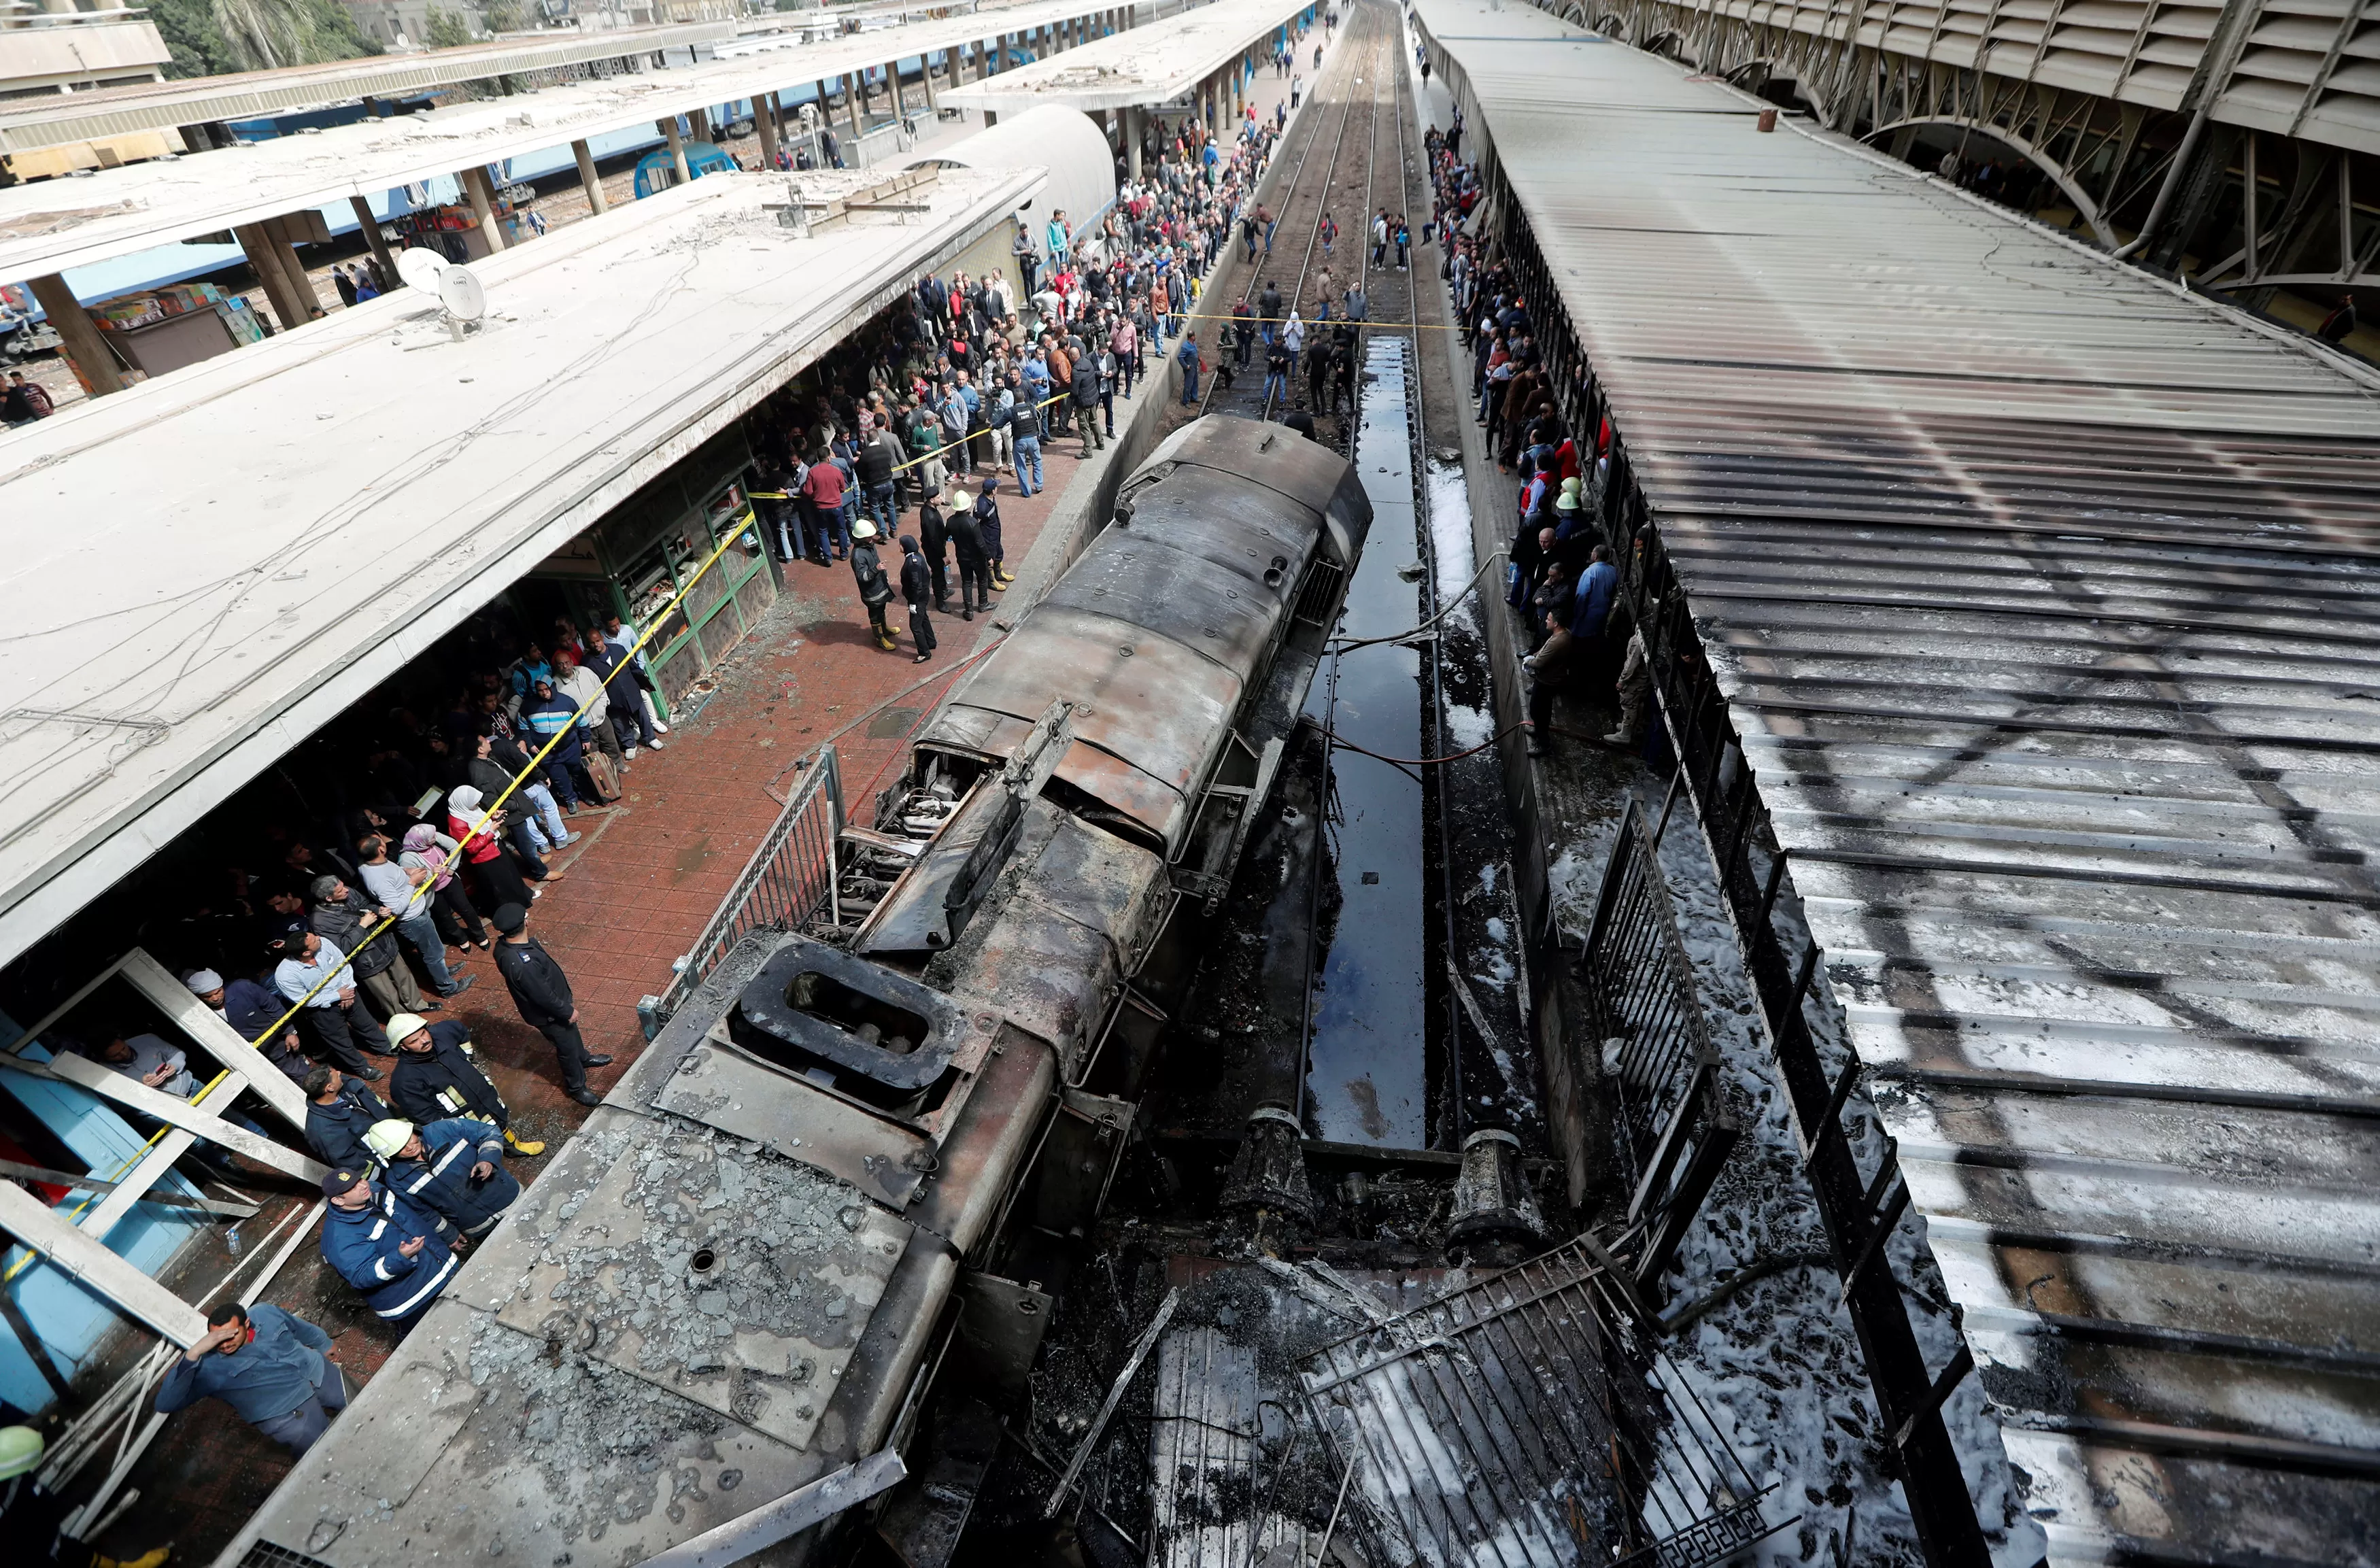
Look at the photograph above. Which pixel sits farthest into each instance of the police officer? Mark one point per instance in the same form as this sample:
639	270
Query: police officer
453	1168
435	1078
399	1255
541	991
342	1111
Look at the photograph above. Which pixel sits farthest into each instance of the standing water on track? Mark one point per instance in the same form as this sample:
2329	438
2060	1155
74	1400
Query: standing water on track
1367	1077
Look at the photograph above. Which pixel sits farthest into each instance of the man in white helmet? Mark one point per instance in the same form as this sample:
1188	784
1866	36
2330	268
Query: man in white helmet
435	1078
31	1517
454	1169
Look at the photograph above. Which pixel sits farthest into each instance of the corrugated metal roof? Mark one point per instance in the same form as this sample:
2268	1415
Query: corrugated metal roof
249	545
2046	600
1148	65
51	120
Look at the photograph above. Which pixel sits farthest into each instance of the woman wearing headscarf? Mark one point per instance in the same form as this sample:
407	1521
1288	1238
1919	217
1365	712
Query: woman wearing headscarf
428	850
499	880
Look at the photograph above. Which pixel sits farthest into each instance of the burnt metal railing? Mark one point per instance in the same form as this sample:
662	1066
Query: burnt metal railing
1527	1420
789	878
1672	1127
1858	1210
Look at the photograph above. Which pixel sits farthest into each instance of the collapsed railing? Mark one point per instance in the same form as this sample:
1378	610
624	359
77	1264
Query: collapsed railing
790	876
1674	1132
1530	1420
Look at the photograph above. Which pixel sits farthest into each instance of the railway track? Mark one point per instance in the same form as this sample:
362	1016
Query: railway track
1361	142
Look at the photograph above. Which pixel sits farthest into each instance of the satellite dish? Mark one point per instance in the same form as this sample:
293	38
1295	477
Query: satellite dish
465	299
419	268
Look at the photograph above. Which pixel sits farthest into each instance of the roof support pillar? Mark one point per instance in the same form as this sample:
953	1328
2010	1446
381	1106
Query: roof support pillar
1136	126
87	351
926	81
267	267
306	303
379	242
853	84
764	122
699	121
483	204
900	100
588	180
668	127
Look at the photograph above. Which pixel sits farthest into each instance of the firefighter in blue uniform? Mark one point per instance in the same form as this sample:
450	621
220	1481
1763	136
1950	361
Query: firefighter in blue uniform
398	1254
453	1168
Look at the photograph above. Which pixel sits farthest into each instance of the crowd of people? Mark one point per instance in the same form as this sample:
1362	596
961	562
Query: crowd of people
892	461
1559	574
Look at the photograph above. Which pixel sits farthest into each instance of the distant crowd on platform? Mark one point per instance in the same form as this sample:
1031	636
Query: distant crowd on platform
895	467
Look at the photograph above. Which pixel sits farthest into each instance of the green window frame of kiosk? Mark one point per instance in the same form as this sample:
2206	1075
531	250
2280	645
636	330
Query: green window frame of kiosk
649	548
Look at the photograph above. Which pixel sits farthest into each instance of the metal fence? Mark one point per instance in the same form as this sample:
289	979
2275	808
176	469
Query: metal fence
787	881
1520	1422
1640	984
1673	1130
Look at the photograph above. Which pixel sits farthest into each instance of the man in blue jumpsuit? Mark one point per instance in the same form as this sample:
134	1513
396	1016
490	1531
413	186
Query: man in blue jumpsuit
399	1256
453	1168
268	1366
341	1111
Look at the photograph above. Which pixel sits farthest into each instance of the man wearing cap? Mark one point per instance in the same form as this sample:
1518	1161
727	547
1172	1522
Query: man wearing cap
267	1364
314	973
340	1110
435	1078
251	1011
398	1254
453	1168
541	991
345	918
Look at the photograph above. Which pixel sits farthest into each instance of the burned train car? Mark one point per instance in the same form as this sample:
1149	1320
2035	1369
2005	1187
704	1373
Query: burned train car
746	1267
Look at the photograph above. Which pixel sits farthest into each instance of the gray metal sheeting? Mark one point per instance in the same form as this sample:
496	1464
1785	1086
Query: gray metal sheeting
2044	597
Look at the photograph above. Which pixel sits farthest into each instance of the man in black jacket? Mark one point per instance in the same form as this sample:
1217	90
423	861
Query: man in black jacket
1086	399
342	916
966	544
936	539
435	1079
341	1111
918	589
541	991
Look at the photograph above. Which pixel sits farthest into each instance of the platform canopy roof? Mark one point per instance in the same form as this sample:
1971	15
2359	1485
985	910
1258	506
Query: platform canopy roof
240	551
49	120
2044	595
1148	65
52	225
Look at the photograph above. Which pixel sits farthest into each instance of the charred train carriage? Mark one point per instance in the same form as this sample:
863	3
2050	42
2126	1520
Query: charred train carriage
745	1271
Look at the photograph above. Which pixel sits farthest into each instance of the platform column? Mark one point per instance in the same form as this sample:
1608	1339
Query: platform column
85	349
372	236
483	204
764	123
